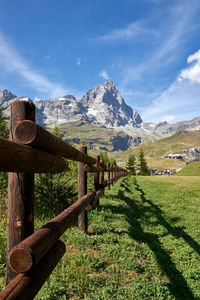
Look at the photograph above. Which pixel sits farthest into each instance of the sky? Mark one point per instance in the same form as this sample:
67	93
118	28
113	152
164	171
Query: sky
150	49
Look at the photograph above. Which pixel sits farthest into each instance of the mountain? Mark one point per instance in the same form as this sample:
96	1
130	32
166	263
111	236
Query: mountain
105	105
102	107
156	131
6	97
59	111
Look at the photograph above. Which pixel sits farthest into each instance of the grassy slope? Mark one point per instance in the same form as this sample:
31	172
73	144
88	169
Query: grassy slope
155	150
143	243
91	133
192	169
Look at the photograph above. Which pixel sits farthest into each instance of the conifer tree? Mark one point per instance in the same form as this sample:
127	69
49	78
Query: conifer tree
4	132
130	164
143	168
3	125
55	192
104	157
56	131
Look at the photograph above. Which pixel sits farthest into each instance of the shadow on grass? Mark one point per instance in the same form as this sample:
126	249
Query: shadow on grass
178	285
177	232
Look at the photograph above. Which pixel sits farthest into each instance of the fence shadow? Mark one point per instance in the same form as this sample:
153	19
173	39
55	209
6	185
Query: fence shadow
134	212
176	231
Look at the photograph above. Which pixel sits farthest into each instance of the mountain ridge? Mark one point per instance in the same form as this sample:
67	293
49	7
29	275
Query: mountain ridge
101	105
104	106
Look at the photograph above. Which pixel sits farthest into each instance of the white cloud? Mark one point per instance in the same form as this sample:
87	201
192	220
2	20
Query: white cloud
11	62
193	72
179	102
78	62
169	118
134	29
104	74
170	40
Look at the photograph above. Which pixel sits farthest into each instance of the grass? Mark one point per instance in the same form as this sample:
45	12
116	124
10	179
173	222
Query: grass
163	163
143	243
192	169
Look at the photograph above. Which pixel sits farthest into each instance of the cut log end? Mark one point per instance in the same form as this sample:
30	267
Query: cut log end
25	132
21	259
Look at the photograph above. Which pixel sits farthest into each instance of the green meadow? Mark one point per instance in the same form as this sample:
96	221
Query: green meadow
192	169
143	243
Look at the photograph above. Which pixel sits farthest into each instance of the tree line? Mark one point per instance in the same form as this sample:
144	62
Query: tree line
139	165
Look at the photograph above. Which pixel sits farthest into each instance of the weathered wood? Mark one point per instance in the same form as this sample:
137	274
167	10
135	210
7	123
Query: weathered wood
29	133
114	173
111	174
98	195
108	175
96	176
33	248
103	185
20	186
102	173
82	190
19	158
89	168
89	207
26	286
102	182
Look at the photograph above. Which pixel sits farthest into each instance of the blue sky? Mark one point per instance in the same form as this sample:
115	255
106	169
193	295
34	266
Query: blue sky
149	48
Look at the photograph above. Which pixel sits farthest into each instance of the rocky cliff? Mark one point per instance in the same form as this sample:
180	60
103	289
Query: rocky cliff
101	105
105	105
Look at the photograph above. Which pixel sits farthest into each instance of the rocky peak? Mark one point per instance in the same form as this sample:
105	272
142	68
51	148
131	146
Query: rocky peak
71	97
109	85
6	95
105	103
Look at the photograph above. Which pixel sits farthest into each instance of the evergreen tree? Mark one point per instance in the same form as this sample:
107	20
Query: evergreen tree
104	157
130	164
143	168
56	131
4	132
55	192
113	161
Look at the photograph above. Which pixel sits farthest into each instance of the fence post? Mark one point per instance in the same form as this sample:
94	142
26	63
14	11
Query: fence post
111	174
102	174
108	175
20	189
82	190
96	176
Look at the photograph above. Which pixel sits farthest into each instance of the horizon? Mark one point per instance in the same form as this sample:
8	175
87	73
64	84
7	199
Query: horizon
154	61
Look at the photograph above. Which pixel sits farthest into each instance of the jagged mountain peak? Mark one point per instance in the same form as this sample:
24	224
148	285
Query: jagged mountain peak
69	97
105	103
109	84
6	95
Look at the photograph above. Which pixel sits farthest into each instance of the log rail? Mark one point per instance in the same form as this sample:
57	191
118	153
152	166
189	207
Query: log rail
32	256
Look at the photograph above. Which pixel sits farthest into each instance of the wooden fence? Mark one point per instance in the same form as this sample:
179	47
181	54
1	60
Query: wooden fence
31	256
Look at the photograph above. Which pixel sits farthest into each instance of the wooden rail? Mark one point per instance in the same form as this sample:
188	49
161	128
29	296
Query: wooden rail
31	149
